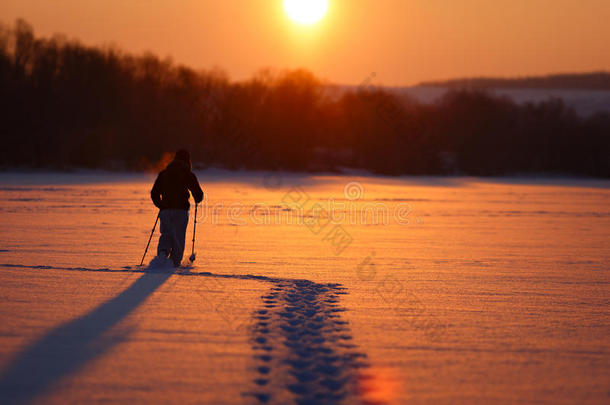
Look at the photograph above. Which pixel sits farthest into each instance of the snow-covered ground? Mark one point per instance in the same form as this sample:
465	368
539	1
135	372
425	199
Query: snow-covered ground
307	289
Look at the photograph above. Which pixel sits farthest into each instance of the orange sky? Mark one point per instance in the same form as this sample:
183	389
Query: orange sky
402	41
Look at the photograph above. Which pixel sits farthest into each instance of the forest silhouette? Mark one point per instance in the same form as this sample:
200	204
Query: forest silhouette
65	105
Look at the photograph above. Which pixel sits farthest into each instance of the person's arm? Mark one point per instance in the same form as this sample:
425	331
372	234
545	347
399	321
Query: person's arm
195	189
155	193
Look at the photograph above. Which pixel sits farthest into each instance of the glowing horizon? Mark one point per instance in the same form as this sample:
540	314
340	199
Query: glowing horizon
403	41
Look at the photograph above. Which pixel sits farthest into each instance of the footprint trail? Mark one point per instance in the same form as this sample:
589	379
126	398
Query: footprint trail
303	350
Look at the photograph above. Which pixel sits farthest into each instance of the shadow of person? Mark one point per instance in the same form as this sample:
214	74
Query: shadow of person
70	346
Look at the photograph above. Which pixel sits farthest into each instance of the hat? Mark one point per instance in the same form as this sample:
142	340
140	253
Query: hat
184	156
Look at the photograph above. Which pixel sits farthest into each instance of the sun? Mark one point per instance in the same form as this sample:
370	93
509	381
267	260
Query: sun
305	11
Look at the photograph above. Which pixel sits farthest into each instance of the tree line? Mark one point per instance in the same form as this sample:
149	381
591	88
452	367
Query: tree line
65	105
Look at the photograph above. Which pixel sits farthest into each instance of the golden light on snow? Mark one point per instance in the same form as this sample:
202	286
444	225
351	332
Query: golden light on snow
379	385
305	11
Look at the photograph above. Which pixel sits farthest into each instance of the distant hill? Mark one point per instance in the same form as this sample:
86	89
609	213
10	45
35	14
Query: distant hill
573	81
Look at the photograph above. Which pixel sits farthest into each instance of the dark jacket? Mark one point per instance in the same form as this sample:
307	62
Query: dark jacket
171	189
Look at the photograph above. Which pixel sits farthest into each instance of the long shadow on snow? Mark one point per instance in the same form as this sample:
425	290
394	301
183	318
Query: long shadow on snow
302	347
67	348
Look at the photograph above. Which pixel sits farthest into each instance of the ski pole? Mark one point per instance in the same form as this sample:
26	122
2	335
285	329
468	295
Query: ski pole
192	258
150	238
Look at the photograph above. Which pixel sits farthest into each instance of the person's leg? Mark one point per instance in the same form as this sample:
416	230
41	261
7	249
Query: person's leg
181	221
165	240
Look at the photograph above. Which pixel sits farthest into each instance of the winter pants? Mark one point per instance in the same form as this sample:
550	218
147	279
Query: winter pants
173	233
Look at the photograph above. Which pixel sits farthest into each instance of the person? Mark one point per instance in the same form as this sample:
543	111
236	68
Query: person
170	194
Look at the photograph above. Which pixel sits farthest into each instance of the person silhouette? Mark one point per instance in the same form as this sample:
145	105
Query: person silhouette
170	194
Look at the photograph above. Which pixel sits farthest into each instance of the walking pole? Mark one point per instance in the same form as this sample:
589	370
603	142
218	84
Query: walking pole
149	239
192	258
